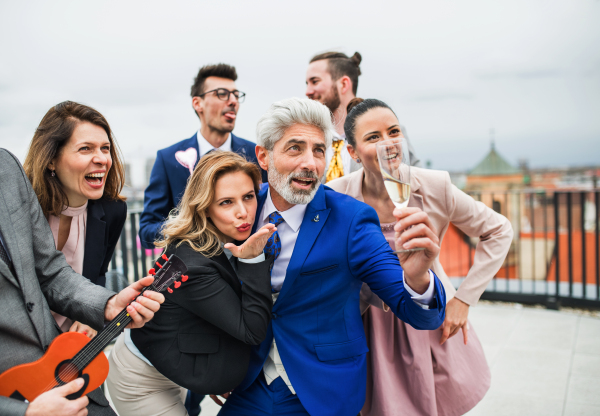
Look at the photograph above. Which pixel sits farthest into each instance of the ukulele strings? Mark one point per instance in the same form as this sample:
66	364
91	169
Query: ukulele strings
105	335
70	371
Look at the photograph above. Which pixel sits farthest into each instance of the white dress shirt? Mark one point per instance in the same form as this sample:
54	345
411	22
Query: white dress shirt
346	158
204	146
288	232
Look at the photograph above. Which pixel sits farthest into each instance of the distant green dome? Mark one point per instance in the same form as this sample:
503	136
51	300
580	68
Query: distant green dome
493	164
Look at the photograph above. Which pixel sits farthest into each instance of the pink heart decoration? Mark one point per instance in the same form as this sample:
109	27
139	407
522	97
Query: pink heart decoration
187	158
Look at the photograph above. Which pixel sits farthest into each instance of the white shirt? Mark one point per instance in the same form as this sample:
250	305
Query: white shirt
346	158
204	146
288	234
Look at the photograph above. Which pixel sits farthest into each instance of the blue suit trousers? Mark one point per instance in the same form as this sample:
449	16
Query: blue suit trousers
261	399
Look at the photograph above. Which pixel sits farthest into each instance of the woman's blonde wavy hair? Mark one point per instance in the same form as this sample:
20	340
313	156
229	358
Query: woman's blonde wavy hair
188	223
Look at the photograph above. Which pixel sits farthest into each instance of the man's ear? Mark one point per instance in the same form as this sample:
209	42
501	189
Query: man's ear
344	84
262	155
198	104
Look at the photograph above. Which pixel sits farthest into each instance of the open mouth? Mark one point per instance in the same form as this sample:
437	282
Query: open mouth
390	156
96	180
304	183
230	115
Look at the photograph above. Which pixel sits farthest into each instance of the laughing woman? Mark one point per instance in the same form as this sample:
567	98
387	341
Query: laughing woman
74	166
430	373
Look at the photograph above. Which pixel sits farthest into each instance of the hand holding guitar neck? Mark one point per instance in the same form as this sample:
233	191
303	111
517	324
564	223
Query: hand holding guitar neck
74	356
141	310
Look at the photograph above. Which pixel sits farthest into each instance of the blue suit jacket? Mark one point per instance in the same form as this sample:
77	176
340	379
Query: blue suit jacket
168	181
316	320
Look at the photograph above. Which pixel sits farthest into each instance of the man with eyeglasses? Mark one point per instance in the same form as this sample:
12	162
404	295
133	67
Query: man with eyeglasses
216	102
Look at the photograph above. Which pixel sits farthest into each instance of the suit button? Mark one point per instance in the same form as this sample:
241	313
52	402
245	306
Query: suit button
274	315
30	306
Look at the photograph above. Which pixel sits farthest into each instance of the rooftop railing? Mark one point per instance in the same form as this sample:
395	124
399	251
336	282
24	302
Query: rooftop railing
553	259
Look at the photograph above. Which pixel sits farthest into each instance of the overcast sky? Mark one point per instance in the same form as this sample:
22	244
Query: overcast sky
451	70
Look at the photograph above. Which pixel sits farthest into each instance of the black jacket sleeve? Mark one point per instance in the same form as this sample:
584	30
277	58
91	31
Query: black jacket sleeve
209	296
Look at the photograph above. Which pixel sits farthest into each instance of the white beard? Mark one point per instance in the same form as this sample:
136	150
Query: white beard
283	185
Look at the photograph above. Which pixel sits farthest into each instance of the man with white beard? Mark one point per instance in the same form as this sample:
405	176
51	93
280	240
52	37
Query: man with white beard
312	360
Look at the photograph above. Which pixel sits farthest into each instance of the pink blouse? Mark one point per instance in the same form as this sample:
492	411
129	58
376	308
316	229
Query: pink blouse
73	249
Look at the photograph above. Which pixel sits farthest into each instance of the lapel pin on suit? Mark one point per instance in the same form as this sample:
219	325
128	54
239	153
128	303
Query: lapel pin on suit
316	219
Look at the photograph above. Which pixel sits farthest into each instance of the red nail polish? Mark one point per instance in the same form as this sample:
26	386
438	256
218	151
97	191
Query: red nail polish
177	284
84	333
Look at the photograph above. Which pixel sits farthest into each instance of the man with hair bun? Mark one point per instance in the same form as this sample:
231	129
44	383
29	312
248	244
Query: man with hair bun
332	79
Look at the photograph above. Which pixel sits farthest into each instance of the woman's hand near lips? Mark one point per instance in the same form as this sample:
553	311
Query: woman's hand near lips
414	230
254	245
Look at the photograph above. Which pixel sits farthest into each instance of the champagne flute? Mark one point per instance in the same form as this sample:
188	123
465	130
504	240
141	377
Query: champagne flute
394	163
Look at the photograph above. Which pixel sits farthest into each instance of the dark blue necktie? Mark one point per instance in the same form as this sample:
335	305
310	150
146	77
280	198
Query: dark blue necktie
274	243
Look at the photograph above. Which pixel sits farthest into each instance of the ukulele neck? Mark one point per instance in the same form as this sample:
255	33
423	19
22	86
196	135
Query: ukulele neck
110	331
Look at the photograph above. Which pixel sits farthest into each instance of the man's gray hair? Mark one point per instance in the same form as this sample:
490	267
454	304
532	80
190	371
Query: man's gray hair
286	113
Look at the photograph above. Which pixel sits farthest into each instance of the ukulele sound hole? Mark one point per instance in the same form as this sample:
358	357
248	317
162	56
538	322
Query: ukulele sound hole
66	372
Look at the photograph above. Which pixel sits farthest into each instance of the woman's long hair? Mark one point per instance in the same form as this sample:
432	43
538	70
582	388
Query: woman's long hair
54	131
188	223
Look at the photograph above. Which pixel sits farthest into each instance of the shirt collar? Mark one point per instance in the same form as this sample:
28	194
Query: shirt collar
292	217
204	146
337	136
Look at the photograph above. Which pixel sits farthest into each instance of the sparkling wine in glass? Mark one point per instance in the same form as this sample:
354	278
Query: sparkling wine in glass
394	163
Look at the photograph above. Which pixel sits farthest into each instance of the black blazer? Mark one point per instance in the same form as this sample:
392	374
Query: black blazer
201	336
105	220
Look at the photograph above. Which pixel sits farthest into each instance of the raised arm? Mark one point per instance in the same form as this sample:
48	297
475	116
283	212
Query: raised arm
372	261
210	297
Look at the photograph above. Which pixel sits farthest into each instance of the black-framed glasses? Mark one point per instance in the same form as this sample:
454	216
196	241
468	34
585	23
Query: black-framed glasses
223	94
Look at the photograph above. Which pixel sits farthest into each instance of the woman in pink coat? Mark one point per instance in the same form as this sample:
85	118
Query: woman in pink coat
412	372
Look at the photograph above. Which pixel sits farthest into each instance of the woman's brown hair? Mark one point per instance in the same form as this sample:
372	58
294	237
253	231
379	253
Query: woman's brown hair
188	223
54	131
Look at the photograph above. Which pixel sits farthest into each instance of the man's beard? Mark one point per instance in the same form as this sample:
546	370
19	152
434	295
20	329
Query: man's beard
332	100
283	184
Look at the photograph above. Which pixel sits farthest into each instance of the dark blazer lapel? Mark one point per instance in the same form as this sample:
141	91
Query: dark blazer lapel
193	142
178	174
238	146
312	224
8	234
95	234
232	279
262	198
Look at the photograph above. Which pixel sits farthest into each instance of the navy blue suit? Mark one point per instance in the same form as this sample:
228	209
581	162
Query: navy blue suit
168	181
316	320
